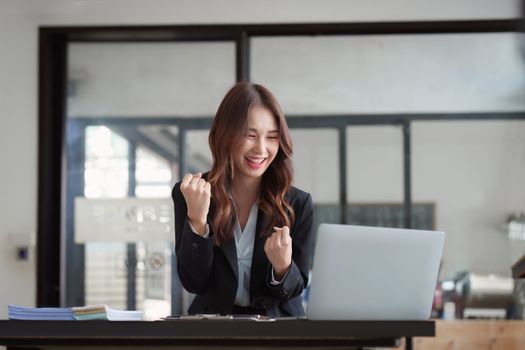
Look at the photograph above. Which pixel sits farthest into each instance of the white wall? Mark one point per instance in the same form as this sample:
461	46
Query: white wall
18	152
19	22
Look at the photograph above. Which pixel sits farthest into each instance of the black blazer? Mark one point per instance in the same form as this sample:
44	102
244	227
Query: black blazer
211	271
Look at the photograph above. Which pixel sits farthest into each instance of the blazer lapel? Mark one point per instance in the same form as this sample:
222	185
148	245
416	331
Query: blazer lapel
230	251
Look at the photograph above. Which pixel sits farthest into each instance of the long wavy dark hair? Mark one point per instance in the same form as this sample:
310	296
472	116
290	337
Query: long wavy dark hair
228	127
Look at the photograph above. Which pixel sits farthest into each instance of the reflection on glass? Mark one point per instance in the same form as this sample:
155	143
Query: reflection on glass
105	176
198	154
153	175
106	164
154	179
105	274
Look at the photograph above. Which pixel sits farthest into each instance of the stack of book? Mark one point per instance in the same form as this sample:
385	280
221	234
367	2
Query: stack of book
104	312
96	312
39	313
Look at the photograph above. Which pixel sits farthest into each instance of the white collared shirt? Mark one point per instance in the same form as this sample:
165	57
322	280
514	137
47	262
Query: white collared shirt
244	241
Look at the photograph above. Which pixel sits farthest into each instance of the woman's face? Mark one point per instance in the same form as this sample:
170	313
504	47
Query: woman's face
257	149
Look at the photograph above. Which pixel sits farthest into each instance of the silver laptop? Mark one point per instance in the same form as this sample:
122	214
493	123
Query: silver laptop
374	273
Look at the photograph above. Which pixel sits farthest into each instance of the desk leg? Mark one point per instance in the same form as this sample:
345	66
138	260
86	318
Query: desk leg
408	343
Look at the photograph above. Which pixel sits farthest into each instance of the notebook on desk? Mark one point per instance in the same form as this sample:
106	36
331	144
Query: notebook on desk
374	273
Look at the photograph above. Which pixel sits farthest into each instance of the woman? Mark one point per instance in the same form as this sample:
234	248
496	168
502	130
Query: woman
243	233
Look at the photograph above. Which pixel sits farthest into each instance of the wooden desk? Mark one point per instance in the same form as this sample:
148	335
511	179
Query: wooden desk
224	333
475	335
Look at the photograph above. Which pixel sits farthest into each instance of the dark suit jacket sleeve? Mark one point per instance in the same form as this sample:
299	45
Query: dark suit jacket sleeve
194	253
297	277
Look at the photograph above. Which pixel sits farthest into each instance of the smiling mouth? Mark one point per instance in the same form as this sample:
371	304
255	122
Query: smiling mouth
255	162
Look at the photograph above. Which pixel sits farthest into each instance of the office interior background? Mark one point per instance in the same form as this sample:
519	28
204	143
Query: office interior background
136	116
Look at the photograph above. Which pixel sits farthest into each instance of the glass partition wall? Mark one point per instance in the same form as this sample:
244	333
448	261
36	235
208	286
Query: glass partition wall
420	131
124	157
